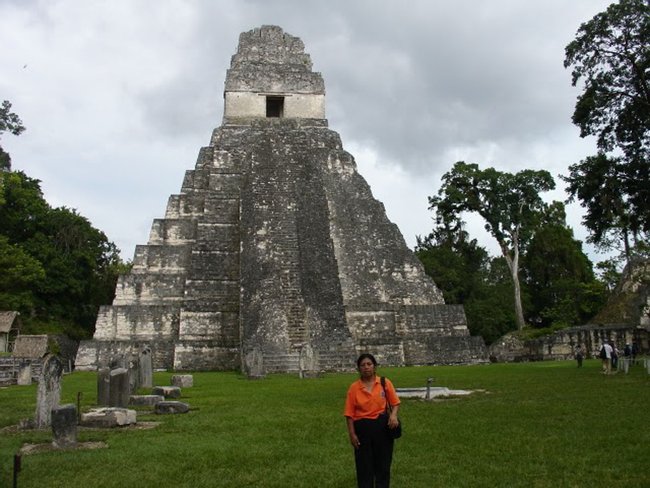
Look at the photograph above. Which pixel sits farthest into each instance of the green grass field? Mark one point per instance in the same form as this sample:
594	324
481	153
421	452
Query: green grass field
536	425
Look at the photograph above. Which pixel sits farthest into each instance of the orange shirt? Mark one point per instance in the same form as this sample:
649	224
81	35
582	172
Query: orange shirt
362	404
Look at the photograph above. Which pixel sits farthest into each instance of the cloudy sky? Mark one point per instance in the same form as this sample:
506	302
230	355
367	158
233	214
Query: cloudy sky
118	96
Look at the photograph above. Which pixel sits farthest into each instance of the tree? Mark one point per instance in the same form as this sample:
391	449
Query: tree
79	262
70	268
55	267
611	58
9	121
561	285
455	262
467	276
599	183
509	203
23	208
491	311
21	275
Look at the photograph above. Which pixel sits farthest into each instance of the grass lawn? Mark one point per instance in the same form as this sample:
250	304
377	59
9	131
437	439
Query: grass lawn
536	425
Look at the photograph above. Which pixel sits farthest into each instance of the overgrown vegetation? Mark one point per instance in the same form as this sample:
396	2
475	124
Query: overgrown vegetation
57	269
553	282
535	424
610	61
558	287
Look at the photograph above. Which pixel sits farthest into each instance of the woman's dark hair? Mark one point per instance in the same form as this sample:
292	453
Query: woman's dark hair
366	356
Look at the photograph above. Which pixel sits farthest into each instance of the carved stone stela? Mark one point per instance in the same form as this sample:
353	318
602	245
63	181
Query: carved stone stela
275	245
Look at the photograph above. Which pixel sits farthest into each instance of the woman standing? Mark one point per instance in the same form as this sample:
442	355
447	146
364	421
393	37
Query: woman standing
368	423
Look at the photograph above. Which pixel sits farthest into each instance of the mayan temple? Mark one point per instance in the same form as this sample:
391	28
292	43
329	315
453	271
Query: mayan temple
275	256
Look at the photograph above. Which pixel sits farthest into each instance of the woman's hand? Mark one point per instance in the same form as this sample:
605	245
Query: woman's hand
354	440
393	422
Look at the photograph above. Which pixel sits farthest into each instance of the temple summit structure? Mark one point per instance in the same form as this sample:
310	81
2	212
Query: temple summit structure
275	256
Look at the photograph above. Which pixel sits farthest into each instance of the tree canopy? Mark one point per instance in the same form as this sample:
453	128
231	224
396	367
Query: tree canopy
9	121
610	60
510	204
559	277
57	269
558	286
468	276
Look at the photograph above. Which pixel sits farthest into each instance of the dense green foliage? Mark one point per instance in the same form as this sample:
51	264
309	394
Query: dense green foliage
510	204
10	122
558	286
533	425
57	268
466	275
558	276
610	58
553	281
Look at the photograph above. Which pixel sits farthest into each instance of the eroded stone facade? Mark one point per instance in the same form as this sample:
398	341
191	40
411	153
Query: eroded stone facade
275	248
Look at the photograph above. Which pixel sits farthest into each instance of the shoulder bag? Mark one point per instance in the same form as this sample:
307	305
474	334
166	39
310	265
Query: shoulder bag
395	433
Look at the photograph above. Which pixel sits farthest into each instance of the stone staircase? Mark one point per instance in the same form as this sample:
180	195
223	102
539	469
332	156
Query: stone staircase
282	363
338	358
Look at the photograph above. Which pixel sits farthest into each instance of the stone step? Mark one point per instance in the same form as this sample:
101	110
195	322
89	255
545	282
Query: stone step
214	236
160	257
203	206
172	231
282	363
152	288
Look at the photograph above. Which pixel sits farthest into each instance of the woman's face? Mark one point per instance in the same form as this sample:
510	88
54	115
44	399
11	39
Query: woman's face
366	368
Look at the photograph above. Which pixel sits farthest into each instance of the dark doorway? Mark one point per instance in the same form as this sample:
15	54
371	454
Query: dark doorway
274	106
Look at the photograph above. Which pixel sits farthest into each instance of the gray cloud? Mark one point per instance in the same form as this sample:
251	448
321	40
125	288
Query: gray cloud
119	96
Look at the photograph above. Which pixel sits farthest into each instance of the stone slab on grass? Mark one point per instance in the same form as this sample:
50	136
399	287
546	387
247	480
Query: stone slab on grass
171	407
145	400
183	380
167	391
106	418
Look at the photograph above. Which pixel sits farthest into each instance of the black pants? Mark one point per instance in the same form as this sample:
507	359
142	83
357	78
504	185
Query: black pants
375	454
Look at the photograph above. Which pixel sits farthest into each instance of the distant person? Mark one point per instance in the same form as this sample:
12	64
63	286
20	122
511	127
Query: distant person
627	353
614	357
580	355
368	424
635	351
606	357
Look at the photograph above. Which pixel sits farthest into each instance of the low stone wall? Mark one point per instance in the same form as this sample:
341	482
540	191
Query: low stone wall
92	354
561	345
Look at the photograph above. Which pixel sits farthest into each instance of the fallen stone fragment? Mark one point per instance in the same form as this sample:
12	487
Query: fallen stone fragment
183	380
171	407
167	391
105	418
147	400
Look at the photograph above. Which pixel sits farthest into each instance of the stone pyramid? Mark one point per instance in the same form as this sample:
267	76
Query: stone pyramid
275	256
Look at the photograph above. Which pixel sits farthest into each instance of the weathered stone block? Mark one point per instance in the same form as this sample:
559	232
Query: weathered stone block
49	390
172	407
24	377
64	426
106	418
167	391
183	380
119	388
103	387
146	400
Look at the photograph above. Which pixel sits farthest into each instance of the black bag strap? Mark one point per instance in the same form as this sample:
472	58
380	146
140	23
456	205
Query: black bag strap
383	385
